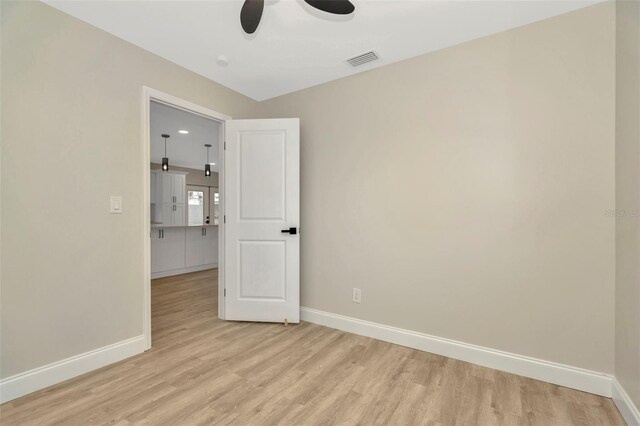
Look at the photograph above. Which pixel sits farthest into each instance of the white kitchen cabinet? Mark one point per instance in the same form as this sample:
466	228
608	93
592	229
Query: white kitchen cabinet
166	211
171	187
167	249
176	248
182	249
174	243
210	248
194	246
172	214
178	215
166	187
168	198
201	246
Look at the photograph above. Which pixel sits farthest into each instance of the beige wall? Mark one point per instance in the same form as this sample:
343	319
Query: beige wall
194	177
628	197
71	137
466	191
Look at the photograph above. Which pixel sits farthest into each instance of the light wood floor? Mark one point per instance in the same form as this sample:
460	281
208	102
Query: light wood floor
205	371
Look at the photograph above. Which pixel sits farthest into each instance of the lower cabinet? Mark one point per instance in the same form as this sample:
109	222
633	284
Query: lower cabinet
178	250
195	246
202	246
167	249
210	249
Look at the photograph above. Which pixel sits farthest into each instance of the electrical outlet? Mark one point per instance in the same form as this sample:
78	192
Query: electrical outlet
357	295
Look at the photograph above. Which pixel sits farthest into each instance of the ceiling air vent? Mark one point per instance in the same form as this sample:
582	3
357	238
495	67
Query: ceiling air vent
365	58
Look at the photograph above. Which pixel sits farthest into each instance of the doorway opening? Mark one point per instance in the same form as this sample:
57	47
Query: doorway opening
184	230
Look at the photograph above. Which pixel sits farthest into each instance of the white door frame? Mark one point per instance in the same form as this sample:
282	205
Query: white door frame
149	94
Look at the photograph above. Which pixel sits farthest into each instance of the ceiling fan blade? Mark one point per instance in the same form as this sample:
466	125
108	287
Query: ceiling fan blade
337	7
250	15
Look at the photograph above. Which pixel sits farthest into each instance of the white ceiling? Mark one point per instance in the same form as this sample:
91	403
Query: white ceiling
296	46
183	150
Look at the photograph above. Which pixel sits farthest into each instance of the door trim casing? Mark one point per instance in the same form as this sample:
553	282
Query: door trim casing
149	94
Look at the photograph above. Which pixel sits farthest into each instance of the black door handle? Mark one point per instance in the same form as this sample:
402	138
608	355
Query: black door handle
292	231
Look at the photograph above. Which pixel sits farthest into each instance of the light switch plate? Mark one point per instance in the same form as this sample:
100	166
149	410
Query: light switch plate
116	204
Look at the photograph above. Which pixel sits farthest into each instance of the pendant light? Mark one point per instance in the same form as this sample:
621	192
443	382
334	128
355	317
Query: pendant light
207	166
165	159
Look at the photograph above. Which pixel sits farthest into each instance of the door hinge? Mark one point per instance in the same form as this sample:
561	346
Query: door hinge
224	218
225	292
225	145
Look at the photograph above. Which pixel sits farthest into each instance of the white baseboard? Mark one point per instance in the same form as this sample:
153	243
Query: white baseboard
181	271
39	378
559	374
625	405
563	375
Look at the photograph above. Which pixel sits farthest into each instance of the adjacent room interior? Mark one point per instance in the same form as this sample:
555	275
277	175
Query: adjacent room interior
184	196
184	207
305	212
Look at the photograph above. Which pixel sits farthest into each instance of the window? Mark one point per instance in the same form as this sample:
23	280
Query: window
203	205
196	203
215	196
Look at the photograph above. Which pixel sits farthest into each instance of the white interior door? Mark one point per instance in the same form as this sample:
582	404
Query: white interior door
262	209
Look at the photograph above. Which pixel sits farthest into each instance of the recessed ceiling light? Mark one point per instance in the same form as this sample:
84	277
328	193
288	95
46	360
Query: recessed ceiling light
213	164
184	132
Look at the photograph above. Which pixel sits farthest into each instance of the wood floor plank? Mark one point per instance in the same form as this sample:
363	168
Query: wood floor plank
204	371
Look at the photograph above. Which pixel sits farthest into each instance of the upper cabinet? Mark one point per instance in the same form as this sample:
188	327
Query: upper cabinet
171	187
172	215
168	197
